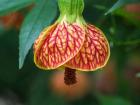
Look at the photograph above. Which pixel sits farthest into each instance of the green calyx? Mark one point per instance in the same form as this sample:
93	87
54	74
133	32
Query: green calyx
71	10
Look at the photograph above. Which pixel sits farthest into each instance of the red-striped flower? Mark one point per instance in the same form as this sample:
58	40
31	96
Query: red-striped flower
71	43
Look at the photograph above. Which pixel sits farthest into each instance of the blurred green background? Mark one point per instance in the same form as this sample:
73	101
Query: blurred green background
116	84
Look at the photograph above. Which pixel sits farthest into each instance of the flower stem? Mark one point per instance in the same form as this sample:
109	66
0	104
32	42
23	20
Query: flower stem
71	9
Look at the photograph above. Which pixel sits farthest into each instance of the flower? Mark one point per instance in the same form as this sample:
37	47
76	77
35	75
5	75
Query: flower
71	42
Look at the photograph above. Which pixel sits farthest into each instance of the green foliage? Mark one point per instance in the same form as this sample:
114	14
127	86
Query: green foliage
111	100
119	4
41	92
7	6
40	17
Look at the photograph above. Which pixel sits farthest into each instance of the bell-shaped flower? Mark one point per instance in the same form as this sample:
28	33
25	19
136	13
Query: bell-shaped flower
71	42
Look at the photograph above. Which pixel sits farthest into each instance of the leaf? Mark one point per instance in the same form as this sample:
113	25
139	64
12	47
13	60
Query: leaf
7	6
119	4
40	17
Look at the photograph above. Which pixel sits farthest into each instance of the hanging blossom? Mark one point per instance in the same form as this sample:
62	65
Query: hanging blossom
72	43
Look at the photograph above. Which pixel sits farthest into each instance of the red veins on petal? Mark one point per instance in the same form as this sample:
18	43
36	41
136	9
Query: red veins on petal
95	51
58	44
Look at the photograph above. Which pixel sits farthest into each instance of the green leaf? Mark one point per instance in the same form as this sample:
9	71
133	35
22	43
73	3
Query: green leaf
7	6
119	4
40	17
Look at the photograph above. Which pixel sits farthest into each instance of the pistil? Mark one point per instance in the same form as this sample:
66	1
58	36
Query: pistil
70	76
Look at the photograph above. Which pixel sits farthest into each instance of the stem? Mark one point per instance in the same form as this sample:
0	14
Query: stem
71	9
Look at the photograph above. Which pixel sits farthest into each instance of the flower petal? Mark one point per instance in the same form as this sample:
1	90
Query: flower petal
58	44
95	52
